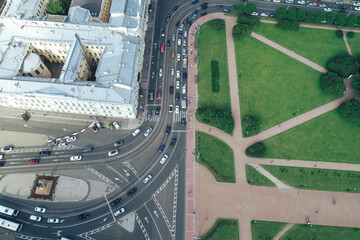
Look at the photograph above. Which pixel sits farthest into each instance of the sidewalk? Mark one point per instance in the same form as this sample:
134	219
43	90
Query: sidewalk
23	139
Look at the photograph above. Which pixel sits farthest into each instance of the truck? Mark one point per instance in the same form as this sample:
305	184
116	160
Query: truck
183	103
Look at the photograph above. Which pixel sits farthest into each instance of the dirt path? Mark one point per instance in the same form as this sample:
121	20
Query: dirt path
283	231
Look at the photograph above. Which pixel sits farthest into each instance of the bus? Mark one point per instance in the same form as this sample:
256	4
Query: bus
13	226
8	211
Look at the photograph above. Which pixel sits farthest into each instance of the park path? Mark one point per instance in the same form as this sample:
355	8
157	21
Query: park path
244	202
276	181
283	231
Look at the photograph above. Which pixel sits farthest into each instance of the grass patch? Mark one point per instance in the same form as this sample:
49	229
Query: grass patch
211	46
355	44
273	86
317	179
327	138
216	156
302	231
262	230
253	177
215	81
317	45
223	229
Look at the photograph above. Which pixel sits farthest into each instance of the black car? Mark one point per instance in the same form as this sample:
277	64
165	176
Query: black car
168	43
168	18
162	32
84	215
186	21
189	23
44	153
173	141
342	11
171	90
177	96
204	7
342	7
180	34
88	149
184	75
131	191
183	121
204	4
157	111
167	130
95	128
175	8
116	201
177	24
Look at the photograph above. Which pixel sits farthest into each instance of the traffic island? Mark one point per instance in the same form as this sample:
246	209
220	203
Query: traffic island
44	187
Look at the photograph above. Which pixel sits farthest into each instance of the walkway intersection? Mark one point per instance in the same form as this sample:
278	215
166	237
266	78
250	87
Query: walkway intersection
240	200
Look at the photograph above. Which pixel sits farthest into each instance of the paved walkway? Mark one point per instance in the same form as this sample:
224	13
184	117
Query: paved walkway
245	203
276	181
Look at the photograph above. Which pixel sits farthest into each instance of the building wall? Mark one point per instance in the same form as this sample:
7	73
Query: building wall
54	52
105	11
84	71
40	10
41	71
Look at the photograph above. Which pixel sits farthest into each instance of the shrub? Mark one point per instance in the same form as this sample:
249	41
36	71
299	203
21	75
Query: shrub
350	34
251	20
310	16
351	20
251	125
350	110
241	31
339	33
356	84
288	25
256	150
215	78
343	64
281	13
340	19
250	8
332	84
218	24
217	118
320	17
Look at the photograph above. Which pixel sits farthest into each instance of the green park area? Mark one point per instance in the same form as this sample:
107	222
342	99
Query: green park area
223	229
355	44
317	45
253	177
261	230
216	156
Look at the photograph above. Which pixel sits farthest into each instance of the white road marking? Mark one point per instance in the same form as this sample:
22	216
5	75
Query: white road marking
109	208
117	173
154	221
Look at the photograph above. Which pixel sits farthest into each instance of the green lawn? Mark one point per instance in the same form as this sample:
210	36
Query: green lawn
302	231
261	230
326	138
355	44
253	177
317	179
216	156
211	45
317	45
223	229
273	86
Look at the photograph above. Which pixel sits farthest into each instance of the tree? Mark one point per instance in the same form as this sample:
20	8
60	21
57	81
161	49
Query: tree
343	64
339	33
291	14
310	16
256	150
250	8
241	30
252	21
332	84
351	20
330	17
356	84
288	25
60	7
251	125
300	16
358	20
350	110
320	17
218	24
340	19
281	13
239	7
350	34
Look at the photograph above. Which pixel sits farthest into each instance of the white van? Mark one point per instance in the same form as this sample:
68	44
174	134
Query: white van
35	218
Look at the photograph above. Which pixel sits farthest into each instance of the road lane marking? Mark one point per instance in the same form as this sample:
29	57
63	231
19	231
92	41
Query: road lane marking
131	168
117	173
154	221
109	208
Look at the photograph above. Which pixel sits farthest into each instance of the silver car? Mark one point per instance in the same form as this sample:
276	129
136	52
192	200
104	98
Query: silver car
148	131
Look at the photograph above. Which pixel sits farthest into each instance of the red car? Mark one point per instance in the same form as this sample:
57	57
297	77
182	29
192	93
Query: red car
162	49
33	161
159	95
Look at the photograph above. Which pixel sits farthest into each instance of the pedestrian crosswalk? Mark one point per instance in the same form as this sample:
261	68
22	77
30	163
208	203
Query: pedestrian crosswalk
176	116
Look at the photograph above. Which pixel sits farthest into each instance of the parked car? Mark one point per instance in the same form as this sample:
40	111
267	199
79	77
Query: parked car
177	95
116	201
312	4
177	109
177	73
322	5
356	4
203	14
301	2
357	8
339	2
148	131
44	153
254	14
149	114
162	48
147	178
171	107
25	117
7	149
163	159
289	1
116	125
94	128
264	14
118	143
40	209
71	139
189	23
178	56
75	158
119	211
177	84
63	144
113	152
327	9
136	132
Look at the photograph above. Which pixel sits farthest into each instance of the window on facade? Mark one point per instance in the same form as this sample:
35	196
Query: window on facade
37	72
41	66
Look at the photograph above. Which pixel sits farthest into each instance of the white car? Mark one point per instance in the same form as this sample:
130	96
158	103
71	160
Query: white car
116	125
194	16
53	220
356	4
184	43
177	109
172	72
71	139
171	107
160	72
327	9
184	52
185	33
177	84
255	14
339	2
35	218
40	209
312	4
163	159
276	1
301	2
75	158
264	14
289	1
113	153
148	177
173	37
184	89
181	27
63	144
179	41
177	73
322	5
357	8
178	57
148	131
7	149
119	211
136	132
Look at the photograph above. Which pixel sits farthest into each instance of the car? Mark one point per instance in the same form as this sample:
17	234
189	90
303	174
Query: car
53	220
204	4
147	178
52	143
149	114
148	131
184	42
227	10
180	34
84	215
136	132
177	24
7	149
161	148
255	14
163	159
178	56
203	14
25	117
75	158
172	72
71	139
295	8
181	27
183	121
116	125
194	2
40	209
119	142
186	20
98	124
119	211
357	8
151	96
177	95
264	14
88	149
327	9
173	141
160	72
162	48
339	2
35	218
289	1
177	109
184	52
341	11
177	73
185	34
179	42
2	157
276	1
94	128
342	7
184	89
116	201
312	4
301	2
167	130
168	43
168	18
184	75
162	32
159	95
33	161
113	152
177	84
63	144
193	16
322	5
272	15
157	111
45	153
171	107
173	38
356	4
189	23
131	191
204	7
171	90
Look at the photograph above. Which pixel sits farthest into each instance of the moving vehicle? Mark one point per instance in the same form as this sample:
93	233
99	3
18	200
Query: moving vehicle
183	121
162	48
118	143
161	148
63	144
177	84
327	9
33	161
116	125
194	2
13	226
71	139
25	117
167	130
113	152
88	149
131	191
178	57
151	96
84	215
177	73
94	128
44	153
160	72
162	32
119	211
177	95
148	131
159	95
171	90
172	54
227	10
163	159
184	63
179	42
116	201
157	111
184	89
289	1
173	141
40	209
172	72
171	107
53	220
75	158
136	132
7	149
35	218
149	114
8	211
148	177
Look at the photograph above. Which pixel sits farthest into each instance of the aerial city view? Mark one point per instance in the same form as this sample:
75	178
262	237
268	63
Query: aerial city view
179	120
